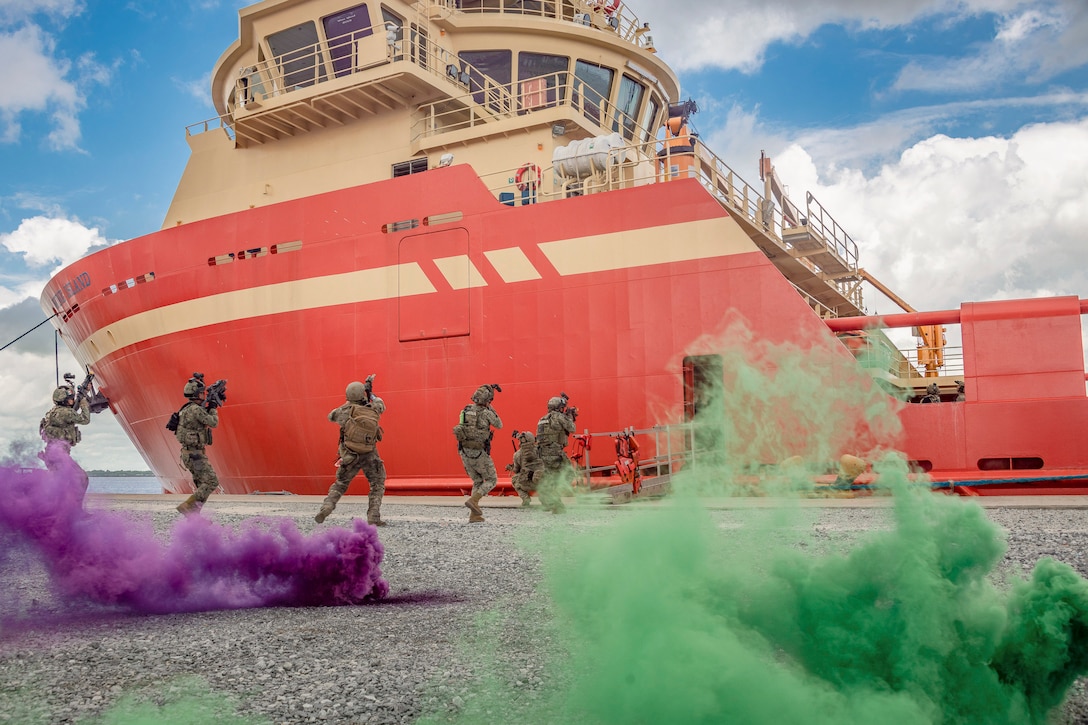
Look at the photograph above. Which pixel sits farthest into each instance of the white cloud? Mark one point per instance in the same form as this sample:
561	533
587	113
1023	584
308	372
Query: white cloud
14	11
39	80
1040	37
48	240
1030	44
955	220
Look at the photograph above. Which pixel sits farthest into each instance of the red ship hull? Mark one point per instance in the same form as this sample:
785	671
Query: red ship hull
435	287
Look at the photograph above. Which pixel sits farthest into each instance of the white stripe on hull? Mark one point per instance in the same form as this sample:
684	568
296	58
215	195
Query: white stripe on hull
688	241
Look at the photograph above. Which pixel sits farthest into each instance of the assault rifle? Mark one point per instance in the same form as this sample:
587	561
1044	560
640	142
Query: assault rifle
215	394
568	410
368	384
96	401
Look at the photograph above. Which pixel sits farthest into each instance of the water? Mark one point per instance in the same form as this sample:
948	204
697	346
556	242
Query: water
124	484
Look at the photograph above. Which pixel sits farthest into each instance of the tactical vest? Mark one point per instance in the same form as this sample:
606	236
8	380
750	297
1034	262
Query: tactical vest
361	431
54	428
190	432
472	429
549	432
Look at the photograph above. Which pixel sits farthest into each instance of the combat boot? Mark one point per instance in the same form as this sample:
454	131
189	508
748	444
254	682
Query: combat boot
189	506
525	499
323	514
476	514
374	512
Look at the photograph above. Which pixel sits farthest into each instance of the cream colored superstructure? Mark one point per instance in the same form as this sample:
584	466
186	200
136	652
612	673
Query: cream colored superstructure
402	97
321	95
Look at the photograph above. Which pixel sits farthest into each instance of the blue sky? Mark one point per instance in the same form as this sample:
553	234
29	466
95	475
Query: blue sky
950	138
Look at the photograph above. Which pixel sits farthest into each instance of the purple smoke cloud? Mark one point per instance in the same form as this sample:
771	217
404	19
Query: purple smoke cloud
111	559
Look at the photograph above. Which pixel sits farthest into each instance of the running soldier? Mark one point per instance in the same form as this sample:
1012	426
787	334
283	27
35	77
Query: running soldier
552	432
359	435
474	434
193	429
527	467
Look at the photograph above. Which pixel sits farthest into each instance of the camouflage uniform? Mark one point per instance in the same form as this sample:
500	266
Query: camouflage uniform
194	433
351	463
933	394
552	432
475	449
59	424
478	464
528	468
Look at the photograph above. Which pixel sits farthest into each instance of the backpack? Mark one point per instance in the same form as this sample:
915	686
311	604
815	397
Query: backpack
361	430
175	419
472	432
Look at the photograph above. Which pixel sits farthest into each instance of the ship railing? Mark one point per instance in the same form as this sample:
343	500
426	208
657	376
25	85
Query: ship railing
901	365
949	360
837	265
361	51
824	248
211	124
817	306
486	101
603	15
837	241
671	449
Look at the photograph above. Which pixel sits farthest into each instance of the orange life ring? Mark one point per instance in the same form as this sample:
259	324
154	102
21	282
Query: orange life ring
531	170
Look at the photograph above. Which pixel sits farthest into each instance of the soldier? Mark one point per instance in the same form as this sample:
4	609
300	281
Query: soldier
59	424
933	394
960	395
527	467
194	423
358	450
552	432
474	434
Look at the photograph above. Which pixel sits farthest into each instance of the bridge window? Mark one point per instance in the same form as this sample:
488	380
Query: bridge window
649	119
541	78
594	82
489	67
627	104
342	30
295	51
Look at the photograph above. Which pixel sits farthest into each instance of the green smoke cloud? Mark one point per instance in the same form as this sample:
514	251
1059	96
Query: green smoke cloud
677	613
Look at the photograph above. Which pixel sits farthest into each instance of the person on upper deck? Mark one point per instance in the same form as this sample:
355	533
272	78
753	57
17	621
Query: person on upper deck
933	394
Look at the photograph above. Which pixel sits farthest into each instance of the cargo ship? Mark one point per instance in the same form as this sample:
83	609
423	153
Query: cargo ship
446	193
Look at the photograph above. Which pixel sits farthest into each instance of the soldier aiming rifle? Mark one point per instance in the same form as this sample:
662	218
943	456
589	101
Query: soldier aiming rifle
193	427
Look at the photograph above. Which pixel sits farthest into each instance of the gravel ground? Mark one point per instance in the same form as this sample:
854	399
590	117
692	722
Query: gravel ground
392	661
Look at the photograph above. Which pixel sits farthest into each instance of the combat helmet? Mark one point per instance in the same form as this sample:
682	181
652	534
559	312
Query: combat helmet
61	394
933	389
355	392
526	438
483	395
193	389
555	403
